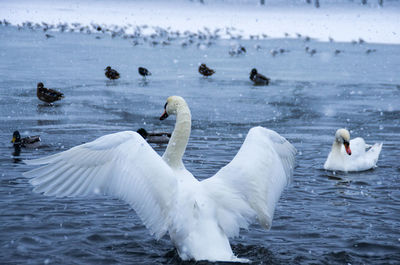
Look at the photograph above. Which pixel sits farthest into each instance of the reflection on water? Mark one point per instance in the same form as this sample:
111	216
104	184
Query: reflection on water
322	217
17	150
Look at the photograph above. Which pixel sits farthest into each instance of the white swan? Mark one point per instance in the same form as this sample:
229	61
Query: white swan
198	216
356	159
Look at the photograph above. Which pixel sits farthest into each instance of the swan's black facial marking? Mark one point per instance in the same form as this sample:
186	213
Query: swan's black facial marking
347	147
165	114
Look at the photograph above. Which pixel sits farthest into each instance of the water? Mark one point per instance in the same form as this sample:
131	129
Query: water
321	218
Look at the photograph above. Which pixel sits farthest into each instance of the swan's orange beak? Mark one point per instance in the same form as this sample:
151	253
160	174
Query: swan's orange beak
347	147
164	115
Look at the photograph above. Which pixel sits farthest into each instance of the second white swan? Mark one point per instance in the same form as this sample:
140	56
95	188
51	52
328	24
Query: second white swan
351	155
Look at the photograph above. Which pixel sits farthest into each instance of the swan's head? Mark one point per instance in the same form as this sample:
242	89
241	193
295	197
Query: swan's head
254	71
16	137
342	136
172	105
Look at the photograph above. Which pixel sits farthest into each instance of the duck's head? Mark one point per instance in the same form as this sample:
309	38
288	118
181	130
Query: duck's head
203	65
172	105
16	137
342	136
40	85
143	132
108	68
253	71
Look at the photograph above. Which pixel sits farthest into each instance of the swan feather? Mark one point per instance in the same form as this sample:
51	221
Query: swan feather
251	184
120	164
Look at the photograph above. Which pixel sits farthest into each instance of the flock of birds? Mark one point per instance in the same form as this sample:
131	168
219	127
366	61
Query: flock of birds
50	96
156	36
257	78
199	216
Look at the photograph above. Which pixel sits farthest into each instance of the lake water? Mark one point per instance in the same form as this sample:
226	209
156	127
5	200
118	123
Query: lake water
321	218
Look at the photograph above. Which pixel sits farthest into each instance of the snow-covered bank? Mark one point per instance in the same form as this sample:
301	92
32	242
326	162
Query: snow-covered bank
343	22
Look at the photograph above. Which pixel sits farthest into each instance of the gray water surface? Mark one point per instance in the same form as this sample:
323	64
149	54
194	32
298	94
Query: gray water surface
321	218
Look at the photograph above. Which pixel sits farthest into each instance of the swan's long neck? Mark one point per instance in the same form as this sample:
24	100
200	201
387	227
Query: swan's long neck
336	147
179	138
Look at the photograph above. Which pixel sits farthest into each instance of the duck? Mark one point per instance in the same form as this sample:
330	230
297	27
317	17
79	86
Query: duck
368	51
143	72
198	216
48	95
29	141
351	155
111	73
310	51
258	79
205	71
238	50
273	52
337	52
154	137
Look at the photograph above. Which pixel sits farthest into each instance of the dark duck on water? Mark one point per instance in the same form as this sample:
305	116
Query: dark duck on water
111	73
29	141
48	95
205	71
154	137
258	79
143	72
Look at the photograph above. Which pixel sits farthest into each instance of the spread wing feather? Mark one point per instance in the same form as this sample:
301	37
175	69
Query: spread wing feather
251	184
122	165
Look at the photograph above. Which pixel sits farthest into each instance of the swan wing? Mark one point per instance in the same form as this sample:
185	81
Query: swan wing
373	152
251	184
357	146
122	165
367	160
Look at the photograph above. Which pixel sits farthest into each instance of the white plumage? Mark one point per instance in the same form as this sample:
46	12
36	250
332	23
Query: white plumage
198	216
357	159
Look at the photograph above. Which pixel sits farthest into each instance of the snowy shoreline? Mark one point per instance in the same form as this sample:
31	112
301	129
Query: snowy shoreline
343	22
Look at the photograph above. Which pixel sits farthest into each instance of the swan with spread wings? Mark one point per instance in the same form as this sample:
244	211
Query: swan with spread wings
199	216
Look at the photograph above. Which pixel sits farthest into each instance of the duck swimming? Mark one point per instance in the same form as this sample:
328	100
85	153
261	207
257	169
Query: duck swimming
205	71
198	216
48	95
154	137
111	73
143	72
257	78
29	141
351	155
